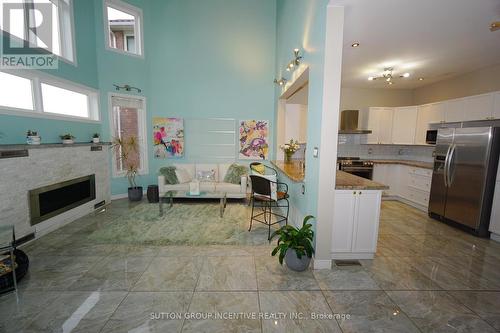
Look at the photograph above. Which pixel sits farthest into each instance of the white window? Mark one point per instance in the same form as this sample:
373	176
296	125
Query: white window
123	27
128	121
16	92
24	22
37	94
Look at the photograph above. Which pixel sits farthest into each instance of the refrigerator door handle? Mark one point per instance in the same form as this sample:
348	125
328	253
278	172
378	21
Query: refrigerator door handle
448	170
445	169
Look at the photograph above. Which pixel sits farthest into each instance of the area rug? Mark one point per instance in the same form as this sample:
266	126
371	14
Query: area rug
183	224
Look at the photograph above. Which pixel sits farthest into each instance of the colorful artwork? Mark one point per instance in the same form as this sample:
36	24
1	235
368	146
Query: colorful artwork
253	139
168	137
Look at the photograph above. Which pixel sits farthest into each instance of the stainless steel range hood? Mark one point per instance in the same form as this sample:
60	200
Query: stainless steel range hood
349	123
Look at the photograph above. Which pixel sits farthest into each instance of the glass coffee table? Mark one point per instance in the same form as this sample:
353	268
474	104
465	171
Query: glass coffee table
170	195
7	244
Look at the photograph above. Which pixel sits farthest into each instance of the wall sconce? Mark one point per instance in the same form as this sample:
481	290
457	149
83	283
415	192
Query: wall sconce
280	82
127	88
295	61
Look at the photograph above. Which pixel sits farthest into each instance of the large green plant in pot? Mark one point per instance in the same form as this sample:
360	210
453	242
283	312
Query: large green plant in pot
295	245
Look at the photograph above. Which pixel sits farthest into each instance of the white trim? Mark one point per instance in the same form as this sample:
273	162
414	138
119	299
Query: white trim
144	170
495	237
353	255
138	26
37	78
322	264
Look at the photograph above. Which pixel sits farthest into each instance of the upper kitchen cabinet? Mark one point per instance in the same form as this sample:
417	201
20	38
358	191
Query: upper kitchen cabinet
496	106
478	107
455	110
402	133
379	121
428	114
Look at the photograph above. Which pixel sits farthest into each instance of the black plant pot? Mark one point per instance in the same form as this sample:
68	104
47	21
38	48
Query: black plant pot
135	193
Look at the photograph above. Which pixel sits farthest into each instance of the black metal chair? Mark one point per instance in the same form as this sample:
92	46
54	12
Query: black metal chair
268	194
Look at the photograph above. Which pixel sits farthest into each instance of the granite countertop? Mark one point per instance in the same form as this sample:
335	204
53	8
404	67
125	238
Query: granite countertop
293	170
347	181
417	164
51	145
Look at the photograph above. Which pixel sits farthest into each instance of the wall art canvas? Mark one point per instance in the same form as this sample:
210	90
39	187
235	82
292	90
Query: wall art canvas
254	142
168	137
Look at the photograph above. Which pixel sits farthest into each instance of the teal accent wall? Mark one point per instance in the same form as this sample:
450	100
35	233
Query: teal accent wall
13	128
302	24
211	58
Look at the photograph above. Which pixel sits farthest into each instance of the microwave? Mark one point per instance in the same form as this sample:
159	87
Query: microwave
431	137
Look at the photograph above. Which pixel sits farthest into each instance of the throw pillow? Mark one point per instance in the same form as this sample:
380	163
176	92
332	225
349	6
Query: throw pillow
206	176
259	168
234	173
169	174
183	176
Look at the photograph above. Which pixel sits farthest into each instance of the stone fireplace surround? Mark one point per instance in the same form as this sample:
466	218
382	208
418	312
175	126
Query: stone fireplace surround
48	164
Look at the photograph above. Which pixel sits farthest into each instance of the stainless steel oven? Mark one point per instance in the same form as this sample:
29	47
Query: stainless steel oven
356	166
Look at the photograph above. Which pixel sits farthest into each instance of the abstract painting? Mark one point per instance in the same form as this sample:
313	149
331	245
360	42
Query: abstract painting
254	139
168	137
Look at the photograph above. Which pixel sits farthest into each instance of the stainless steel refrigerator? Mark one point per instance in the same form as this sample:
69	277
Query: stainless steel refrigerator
463	181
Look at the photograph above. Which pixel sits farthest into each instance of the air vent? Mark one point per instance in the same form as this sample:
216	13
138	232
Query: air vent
95	148
342	263
14	153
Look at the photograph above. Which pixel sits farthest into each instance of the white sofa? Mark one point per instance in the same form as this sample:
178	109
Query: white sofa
235	191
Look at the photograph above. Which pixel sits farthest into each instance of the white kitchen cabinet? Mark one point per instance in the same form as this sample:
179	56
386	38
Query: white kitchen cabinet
385	126
389	175
496	106
428	114
355	224
455	110
403	132
379	121
495	211
479	107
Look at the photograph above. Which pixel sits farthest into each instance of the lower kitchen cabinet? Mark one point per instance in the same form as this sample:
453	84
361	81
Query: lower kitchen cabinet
495	212
355	224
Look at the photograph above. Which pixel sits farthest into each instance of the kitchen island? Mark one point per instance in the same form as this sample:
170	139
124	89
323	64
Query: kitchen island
356	211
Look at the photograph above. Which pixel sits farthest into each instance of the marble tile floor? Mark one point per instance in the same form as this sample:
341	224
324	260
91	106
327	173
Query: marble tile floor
426	277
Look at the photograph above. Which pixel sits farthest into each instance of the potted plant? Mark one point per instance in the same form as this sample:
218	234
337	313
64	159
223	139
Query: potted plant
295	245
32	137
67	139
128	149
95	138
289	149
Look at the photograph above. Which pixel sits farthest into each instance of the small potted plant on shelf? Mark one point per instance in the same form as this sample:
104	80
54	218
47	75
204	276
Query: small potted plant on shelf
96	138
67	139
32	137
289	149
295	245
128	150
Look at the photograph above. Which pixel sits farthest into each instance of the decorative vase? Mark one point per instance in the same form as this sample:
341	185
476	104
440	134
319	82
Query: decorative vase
135	193
67	141
95	140
33	139
288	157
294	263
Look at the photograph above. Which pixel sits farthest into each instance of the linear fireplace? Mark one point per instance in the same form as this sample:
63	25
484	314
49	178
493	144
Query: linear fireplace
48	201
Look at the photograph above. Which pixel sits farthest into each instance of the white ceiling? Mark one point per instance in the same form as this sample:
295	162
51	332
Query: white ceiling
434	39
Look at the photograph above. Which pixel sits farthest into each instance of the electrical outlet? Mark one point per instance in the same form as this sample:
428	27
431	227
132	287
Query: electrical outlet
315	152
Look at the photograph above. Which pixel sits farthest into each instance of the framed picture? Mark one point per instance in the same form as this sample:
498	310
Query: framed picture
168	137
254	139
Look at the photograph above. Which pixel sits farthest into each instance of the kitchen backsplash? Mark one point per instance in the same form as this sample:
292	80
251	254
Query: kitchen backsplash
352	145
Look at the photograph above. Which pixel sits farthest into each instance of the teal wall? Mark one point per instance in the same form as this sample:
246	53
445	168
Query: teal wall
13	128
211	58
302	24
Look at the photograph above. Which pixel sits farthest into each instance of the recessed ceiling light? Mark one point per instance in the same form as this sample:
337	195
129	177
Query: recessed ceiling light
420	78
370	78
406	75
355	44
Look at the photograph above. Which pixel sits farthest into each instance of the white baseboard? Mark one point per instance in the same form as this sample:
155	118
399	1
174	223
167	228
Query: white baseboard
352	256
322	264
495	237
405	201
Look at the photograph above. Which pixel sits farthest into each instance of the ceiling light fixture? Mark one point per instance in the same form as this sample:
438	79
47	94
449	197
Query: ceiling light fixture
355	44
495	26
420	78
280	82
388	76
